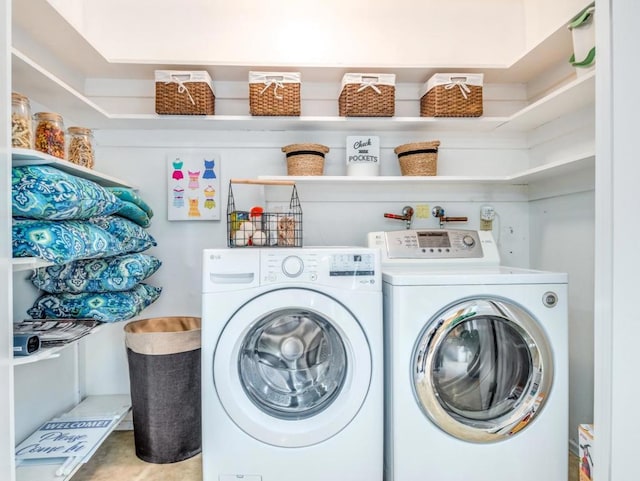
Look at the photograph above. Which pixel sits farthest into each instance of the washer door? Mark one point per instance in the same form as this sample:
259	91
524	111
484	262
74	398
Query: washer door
482	369
292	367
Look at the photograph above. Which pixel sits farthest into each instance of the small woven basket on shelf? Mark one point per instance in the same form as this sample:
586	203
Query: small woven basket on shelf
367	95
418	158
184	93
274	93
305	159
452	95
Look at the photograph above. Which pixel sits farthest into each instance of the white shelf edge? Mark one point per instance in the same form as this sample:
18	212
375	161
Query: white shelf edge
323	123
23	157
51	352
28	263
557	103
108	405
557	168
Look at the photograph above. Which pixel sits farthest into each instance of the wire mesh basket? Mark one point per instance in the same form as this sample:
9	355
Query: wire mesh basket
257	228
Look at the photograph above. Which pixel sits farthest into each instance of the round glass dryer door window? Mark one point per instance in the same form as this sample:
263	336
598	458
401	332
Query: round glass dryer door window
482	369
292	367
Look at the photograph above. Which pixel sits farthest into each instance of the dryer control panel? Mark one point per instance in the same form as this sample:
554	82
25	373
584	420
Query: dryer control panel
436	245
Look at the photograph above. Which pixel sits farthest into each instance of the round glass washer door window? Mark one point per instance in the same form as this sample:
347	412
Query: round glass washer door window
292	364
482	369
292	367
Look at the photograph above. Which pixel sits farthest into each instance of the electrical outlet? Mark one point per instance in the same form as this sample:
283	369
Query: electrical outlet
487	214
422	211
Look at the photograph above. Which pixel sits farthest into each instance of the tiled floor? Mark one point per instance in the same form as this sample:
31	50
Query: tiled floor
116	460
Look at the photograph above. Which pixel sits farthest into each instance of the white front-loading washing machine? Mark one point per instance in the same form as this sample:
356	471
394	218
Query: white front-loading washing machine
476	361
292	364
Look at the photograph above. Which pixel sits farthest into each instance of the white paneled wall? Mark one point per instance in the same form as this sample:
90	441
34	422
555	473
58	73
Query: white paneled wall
332	215
562	233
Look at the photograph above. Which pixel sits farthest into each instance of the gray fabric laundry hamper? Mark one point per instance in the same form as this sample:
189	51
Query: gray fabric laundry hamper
164	374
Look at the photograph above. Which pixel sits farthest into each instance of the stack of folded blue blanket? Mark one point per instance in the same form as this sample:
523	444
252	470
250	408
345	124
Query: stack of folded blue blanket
95	238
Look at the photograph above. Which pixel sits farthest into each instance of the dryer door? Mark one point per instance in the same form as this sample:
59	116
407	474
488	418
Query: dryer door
482	369
292	367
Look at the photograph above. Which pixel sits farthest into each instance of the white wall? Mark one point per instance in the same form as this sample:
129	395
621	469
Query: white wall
562	239
617	318
6	334
287	32
542	17
331	216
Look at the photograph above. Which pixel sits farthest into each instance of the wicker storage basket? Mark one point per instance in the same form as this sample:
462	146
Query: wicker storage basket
367	95
305	159
452	95
419	158
184	93
274	93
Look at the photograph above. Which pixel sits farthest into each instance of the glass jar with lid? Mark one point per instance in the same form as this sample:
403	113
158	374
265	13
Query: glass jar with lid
49	136
80	146
21	125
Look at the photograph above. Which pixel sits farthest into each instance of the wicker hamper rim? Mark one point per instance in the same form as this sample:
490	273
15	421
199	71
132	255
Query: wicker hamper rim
408	148
292	148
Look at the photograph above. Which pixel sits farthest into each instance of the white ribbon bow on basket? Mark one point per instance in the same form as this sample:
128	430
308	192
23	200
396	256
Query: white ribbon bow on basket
461	83
182	88
369	82
277	82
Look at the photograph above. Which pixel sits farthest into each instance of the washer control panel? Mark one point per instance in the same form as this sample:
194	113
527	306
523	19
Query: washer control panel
337	267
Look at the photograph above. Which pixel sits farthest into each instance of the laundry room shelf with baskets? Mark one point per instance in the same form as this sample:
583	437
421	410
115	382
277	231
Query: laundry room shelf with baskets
35	81
573	174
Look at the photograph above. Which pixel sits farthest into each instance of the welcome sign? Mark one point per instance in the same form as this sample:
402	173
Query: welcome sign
363	155
64	438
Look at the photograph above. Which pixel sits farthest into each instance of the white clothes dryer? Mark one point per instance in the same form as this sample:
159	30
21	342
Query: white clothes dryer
292	364
476	361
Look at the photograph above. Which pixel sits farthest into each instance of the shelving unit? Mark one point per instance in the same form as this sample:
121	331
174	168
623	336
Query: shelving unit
104	406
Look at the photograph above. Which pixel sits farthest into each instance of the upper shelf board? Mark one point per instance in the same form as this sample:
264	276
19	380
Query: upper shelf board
33	157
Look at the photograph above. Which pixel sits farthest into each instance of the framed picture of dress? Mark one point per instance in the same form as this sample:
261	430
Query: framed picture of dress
193	185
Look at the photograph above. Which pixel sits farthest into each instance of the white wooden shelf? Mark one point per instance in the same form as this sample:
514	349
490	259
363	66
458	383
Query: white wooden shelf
22	157
555	178
116	406
540	173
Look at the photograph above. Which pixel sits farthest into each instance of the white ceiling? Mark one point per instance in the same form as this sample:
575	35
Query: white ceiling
48	28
